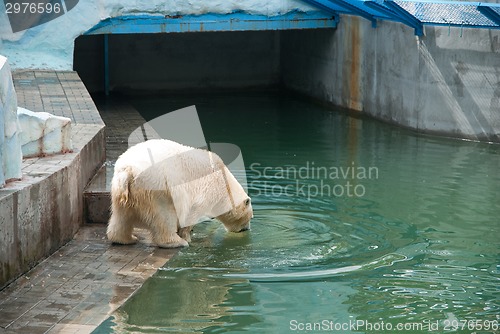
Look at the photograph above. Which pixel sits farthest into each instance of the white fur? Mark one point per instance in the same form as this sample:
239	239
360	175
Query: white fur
168	187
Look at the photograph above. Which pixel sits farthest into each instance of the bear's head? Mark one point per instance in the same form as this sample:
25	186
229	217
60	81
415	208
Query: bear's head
238	218
232	205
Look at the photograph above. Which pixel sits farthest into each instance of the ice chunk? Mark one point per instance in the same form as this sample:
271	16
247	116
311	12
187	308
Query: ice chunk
10	148
43	133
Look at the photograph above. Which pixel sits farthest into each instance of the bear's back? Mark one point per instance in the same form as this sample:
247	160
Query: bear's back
168	160
143	155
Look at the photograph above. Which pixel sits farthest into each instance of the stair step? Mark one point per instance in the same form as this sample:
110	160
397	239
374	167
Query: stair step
97	196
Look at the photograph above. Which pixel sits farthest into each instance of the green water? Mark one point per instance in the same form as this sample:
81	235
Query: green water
412	240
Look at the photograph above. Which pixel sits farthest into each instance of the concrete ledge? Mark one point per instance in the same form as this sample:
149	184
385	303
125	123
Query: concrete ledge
97	196
44	210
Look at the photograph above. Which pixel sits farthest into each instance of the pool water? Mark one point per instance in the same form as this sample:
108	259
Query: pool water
359	227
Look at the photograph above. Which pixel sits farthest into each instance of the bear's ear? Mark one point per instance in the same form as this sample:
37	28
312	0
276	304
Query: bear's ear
247	201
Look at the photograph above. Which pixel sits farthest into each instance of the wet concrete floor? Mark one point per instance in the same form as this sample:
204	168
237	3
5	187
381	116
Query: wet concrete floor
80	285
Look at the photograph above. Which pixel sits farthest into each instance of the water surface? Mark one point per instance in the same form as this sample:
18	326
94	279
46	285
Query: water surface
355	220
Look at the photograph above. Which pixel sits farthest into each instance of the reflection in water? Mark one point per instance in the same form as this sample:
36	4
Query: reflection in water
421	244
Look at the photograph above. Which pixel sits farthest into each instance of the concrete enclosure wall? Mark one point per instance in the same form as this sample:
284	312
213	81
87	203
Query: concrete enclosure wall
208	60
447	82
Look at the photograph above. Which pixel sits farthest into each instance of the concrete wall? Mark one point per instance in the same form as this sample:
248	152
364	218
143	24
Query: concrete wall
447	82
192	61
44	210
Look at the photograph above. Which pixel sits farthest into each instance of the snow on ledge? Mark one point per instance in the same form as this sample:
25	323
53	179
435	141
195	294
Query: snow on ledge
10	148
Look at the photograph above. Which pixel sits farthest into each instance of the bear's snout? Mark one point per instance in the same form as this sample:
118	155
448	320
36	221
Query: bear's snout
245	228
238	227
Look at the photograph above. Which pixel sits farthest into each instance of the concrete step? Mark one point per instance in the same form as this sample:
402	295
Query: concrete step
97	196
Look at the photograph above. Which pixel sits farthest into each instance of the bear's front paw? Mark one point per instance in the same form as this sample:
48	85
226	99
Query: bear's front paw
123	241
180	243
174	242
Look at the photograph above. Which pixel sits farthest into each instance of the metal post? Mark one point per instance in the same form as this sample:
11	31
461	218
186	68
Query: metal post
106	64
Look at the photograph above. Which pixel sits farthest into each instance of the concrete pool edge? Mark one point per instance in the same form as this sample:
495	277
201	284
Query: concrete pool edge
80	285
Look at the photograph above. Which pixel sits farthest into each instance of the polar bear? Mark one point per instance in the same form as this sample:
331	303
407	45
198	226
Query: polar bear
168	187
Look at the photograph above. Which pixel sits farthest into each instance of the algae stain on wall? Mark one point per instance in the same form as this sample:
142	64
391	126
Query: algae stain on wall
355	68
352	58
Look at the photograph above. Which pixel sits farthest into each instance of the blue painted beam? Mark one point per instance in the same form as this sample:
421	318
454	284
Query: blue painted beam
326	6
406	17
146	24
489	13
443	2
384	12
355	10
387	13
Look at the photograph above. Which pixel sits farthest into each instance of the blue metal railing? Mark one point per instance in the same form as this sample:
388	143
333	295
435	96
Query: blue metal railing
417	13
237	21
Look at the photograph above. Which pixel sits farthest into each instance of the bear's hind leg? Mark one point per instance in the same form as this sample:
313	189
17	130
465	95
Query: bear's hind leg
164	227
121	225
